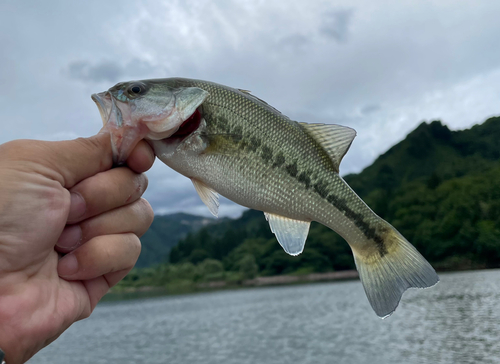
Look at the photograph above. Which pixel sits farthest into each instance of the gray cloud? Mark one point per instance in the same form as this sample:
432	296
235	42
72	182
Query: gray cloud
335	24
103	71
368	109
295	42
109	71
316	62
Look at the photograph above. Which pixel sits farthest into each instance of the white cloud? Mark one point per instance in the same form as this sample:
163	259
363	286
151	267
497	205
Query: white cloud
381	67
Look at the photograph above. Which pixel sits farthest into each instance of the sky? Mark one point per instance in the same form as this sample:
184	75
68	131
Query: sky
380	67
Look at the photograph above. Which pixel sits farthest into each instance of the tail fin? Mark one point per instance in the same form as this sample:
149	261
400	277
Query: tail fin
386	277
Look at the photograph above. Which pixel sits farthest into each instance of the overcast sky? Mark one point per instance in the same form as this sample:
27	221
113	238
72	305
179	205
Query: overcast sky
381	67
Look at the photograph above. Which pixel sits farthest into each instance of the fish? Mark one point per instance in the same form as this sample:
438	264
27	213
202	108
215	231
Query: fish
231	143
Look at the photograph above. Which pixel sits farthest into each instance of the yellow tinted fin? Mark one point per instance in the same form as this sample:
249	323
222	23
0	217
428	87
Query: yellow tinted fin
386	277
335	139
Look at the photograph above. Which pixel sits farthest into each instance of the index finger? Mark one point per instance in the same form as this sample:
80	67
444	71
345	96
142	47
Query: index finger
142	157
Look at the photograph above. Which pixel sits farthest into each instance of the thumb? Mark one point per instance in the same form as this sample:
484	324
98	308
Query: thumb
75	160
67	162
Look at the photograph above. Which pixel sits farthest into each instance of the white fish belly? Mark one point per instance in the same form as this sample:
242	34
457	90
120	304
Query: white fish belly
261	187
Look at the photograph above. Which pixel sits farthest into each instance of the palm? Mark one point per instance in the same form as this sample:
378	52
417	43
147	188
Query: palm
41	292
35	223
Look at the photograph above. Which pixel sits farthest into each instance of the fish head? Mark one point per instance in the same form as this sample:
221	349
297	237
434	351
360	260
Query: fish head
148	109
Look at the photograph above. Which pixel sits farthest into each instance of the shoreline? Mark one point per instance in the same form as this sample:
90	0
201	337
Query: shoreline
279	280
143	292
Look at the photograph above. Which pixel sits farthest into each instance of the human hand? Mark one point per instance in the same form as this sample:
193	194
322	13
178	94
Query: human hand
63	197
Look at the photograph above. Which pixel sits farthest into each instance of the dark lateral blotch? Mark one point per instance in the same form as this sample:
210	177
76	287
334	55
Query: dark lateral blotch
305	179
280	160
292	169
267	153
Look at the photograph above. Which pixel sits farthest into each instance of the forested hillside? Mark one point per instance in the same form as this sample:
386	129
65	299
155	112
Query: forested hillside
164	233
439	188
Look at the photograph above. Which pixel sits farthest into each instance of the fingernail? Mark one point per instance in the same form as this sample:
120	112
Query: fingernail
70	238
68	265
77	207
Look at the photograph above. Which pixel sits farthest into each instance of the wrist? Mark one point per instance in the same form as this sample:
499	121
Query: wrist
11	342
12	349
6	350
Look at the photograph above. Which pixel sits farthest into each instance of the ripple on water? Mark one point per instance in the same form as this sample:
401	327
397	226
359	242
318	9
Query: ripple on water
457	321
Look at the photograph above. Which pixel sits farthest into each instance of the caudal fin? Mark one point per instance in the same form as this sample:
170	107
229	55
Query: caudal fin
386	277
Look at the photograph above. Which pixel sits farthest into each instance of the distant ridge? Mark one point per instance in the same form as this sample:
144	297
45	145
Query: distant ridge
165	233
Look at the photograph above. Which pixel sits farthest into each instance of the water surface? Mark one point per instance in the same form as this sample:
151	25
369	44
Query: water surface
457	321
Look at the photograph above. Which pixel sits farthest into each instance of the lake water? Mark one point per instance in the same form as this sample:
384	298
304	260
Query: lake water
457	321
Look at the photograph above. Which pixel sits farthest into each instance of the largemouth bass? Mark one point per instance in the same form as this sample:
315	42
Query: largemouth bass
231	143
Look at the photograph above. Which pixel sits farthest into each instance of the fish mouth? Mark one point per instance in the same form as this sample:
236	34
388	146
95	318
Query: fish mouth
124	133
104	103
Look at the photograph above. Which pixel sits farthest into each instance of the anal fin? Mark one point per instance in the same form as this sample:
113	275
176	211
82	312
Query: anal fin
208	196
291	234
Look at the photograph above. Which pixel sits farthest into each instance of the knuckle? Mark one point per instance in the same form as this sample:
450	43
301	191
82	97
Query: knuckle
145	215
140	184
135	248
145	182
92	143
148	211
97	144
87	311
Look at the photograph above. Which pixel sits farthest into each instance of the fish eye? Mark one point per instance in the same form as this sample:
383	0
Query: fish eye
136	89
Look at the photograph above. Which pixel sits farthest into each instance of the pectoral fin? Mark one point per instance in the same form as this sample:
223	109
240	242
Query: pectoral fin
291	234
208	196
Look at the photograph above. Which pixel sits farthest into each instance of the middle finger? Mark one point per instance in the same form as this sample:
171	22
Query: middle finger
134	218
105	191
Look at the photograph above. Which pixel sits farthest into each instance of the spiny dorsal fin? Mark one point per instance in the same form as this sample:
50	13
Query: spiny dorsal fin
208	196
336	139
259	101
291	234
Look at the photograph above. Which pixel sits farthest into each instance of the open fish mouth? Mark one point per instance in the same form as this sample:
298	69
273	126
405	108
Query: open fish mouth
104	102
124	134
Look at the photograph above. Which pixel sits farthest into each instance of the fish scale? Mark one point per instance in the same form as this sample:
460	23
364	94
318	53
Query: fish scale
276	134
240	147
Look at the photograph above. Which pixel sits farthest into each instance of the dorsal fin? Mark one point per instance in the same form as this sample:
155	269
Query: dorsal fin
258	100
336	139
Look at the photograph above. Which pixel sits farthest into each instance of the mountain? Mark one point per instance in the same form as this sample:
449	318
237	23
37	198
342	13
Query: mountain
431	150
164	233
438	187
